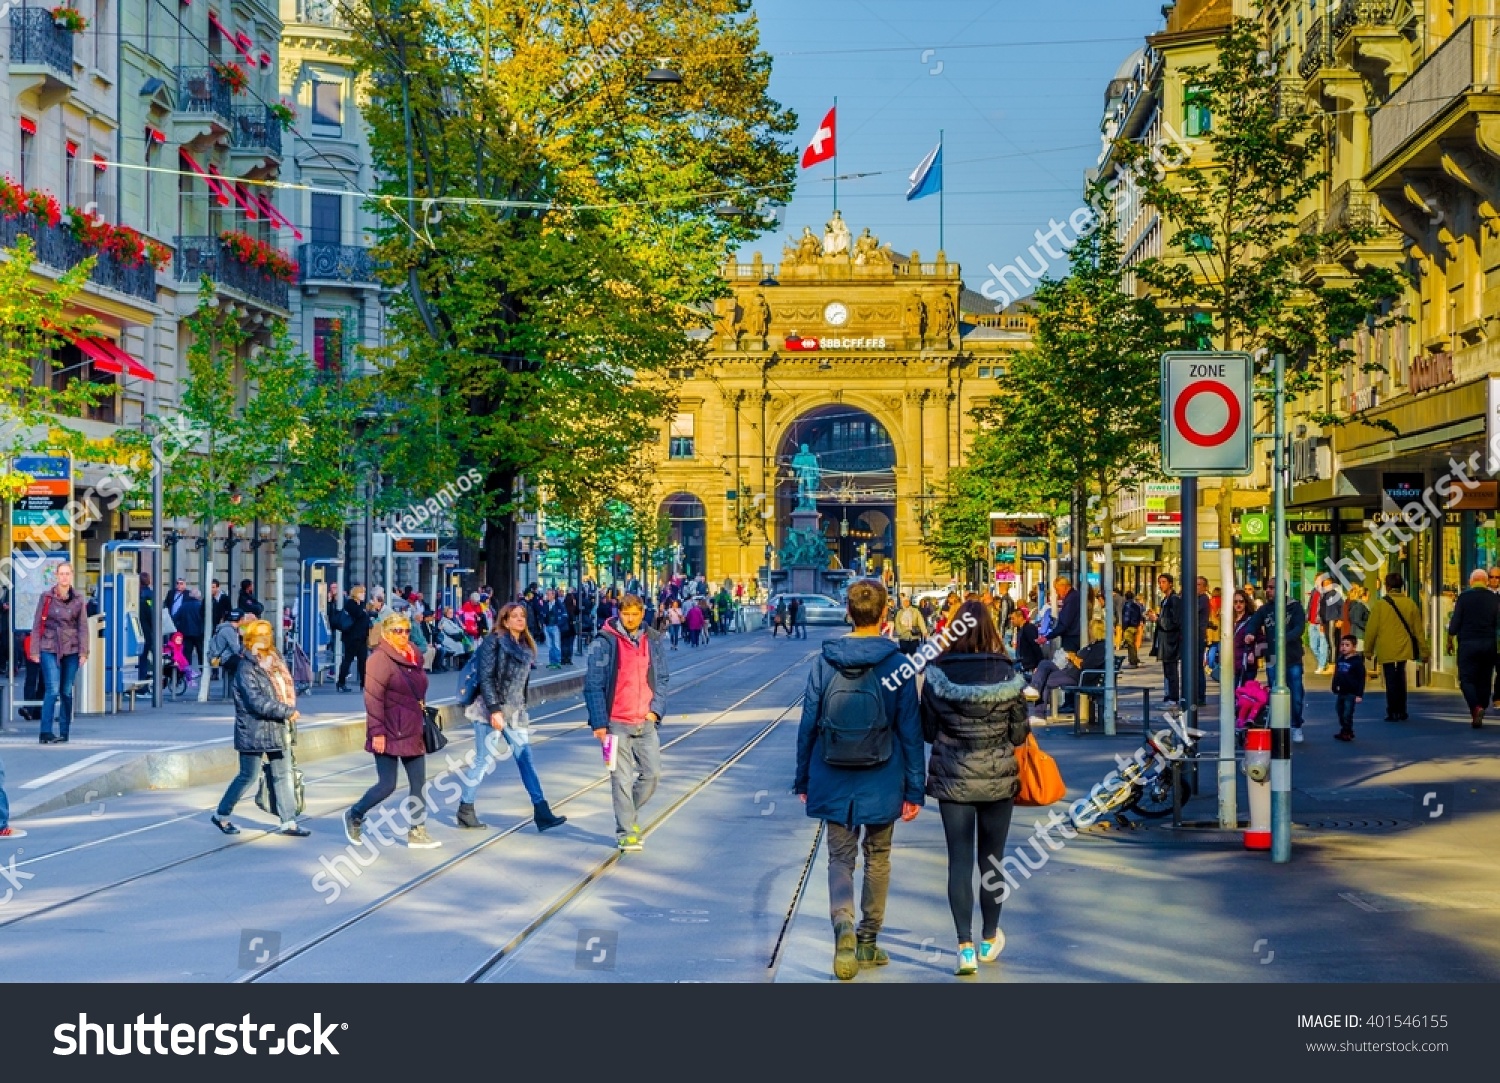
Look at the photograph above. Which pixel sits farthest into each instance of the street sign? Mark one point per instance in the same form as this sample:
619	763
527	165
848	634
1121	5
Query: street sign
39	515
1255	528
1207	414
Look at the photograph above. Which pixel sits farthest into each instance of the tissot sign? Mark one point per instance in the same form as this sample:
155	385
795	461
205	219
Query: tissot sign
1207	413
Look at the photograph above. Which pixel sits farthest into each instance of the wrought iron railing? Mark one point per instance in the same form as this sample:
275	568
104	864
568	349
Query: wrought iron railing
57	248
203	90
1315	54
210	256
1352	207
1354	13
336	262
36	38
256	128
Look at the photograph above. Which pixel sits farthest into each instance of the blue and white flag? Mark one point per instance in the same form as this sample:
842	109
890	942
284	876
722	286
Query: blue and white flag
927	178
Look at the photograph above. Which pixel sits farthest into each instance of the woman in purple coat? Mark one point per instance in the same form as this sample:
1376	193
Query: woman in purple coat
395	690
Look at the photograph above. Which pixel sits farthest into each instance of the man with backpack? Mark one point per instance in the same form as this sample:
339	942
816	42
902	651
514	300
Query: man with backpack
860	767
911	629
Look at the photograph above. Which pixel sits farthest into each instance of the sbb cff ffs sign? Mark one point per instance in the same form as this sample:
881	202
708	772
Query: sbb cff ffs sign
1207	411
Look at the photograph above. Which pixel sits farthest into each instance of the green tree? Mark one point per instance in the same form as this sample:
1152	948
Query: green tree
565	234
1238	263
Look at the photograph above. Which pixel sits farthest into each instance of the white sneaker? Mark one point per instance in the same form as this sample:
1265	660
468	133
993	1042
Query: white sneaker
1031	693
1297	736
989	950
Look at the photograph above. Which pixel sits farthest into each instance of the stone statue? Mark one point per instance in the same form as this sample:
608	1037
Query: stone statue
914	319
867	250
806	251
729	322
804	549
759	318
944	320
805	466
836	237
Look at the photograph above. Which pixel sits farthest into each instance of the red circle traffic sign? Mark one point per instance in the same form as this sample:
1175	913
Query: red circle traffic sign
1192	435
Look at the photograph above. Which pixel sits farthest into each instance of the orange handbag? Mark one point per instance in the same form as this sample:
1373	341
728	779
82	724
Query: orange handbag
1041	781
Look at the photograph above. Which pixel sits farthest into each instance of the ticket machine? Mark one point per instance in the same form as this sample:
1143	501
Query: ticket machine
120	607
313	633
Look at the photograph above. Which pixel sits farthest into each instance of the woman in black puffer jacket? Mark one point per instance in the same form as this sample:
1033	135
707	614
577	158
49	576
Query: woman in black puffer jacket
974	717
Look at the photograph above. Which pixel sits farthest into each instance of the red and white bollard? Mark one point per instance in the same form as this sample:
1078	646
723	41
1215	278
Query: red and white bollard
1258	771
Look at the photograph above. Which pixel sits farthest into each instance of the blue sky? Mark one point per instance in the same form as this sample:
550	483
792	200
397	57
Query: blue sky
1021	120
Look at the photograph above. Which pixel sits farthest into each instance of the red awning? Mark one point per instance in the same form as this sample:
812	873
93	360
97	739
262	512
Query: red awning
101	163
277	218
28	126
252	212
214	185
130	364
94	349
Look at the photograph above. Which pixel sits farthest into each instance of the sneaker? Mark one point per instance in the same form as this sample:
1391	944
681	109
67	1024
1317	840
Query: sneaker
989	950
968	962
868	953
352	827
1031	693
294	830
1344	735
630	844
1297	736
418	839
8	832
845	951
46	739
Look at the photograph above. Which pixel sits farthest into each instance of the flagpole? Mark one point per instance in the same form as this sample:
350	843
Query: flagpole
835	153
940	195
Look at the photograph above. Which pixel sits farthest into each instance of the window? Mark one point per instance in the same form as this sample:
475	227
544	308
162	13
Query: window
327	218
153	158
1198	242
67	364
104	39
70	175
328	108
681	437
328	343
28	144
1196	118
984	372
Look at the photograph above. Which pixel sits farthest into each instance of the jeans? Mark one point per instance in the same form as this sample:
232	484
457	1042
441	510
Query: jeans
1395	690
1294	684
487	751
673	632
990	821
844	845
637	771
4	801
1344	704
385	785
59	673
1319	643
569	635
1048	676
554	645
281	782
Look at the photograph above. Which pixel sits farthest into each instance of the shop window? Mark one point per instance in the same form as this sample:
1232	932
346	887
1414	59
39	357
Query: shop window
680	438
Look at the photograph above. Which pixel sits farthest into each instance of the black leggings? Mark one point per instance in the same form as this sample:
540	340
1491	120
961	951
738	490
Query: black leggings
992	820
385	785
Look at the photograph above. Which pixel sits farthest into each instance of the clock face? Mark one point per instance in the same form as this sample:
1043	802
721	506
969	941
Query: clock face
836	314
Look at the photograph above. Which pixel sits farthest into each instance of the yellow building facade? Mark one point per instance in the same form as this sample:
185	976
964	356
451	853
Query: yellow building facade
875	362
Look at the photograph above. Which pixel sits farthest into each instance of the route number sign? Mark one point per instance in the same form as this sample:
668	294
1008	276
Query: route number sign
1207	416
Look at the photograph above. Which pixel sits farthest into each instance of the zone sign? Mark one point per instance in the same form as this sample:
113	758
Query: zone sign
1207	414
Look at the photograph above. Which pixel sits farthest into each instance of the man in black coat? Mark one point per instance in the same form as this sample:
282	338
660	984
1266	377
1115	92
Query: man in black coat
1168	643
1475	623
147	614
354	629
1028	650
1067	629
188	617
218	604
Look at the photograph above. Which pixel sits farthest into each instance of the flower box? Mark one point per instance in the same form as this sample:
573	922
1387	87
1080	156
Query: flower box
254	253
70	19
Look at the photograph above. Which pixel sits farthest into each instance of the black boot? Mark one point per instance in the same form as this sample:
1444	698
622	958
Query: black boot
467	817
545	819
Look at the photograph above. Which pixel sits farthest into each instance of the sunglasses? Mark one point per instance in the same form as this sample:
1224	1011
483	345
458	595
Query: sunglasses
399	632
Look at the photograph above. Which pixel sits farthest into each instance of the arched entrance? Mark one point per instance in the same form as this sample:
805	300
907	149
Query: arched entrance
856	493
687	523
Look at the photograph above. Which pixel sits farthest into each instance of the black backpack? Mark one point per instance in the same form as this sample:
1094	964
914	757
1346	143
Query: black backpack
853	721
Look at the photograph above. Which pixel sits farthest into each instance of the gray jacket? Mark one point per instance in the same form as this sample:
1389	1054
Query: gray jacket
601	667
973	714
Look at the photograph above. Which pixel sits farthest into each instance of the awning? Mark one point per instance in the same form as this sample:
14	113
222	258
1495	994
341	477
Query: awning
131	365
276	217
214	185
252	212
94	350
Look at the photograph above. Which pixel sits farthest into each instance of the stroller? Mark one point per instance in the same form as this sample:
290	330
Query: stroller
178	675
301	667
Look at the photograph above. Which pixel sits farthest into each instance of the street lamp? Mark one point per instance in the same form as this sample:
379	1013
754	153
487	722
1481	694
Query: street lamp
662	75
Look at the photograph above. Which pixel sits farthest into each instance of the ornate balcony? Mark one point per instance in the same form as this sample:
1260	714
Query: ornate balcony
319	13
204	91
1367	39
57	248
210	256
35	38
1354	13
335	263
256	130
1315	53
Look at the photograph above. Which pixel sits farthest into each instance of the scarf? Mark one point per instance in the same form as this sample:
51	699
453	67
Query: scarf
281	677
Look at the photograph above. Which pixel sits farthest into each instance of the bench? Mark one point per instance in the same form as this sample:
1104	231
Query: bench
1090	687
131	689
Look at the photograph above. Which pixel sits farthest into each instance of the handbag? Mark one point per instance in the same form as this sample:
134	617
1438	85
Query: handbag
265	794
433	737
1041	783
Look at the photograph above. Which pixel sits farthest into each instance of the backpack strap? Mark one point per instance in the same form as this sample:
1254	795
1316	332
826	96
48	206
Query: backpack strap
1416	647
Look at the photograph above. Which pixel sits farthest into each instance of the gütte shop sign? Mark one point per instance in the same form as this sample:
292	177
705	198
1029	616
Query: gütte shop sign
1433	370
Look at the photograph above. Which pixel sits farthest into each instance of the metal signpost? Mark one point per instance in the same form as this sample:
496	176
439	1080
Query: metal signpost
1206	431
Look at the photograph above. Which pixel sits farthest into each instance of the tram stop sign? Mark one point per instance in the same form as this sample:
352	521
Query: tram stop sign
1207	414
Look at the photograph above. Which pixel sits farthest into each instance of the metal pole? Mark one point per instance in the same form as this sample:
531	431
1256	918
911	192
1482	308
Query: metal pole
1281	696
1228	799
1191	658
158	453
1108	581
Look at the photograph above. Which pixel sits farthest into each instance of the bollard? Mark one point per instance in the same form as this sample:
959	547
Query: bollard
1258	771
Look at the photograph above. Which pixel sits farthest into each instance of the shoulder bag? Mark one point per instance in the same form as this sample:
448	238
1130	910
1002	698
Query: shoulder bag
1041	783
1416	647
433	737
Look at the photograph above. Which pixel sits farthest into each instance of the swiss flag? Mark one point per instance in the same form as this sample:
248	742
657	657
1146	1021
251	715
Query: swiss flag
822	146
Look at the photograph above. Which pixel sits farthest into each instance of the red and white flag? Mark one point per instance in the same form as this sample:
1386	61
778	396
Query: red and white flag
822	146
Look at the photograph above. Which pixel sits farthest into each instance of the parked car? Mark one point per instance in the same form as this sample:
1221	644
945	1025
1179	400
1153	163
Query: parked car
820	608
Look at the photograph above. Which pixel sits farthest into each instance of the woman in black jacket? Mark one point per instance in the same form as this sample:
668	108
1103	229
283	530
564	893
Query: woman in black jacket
974	716
265	706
